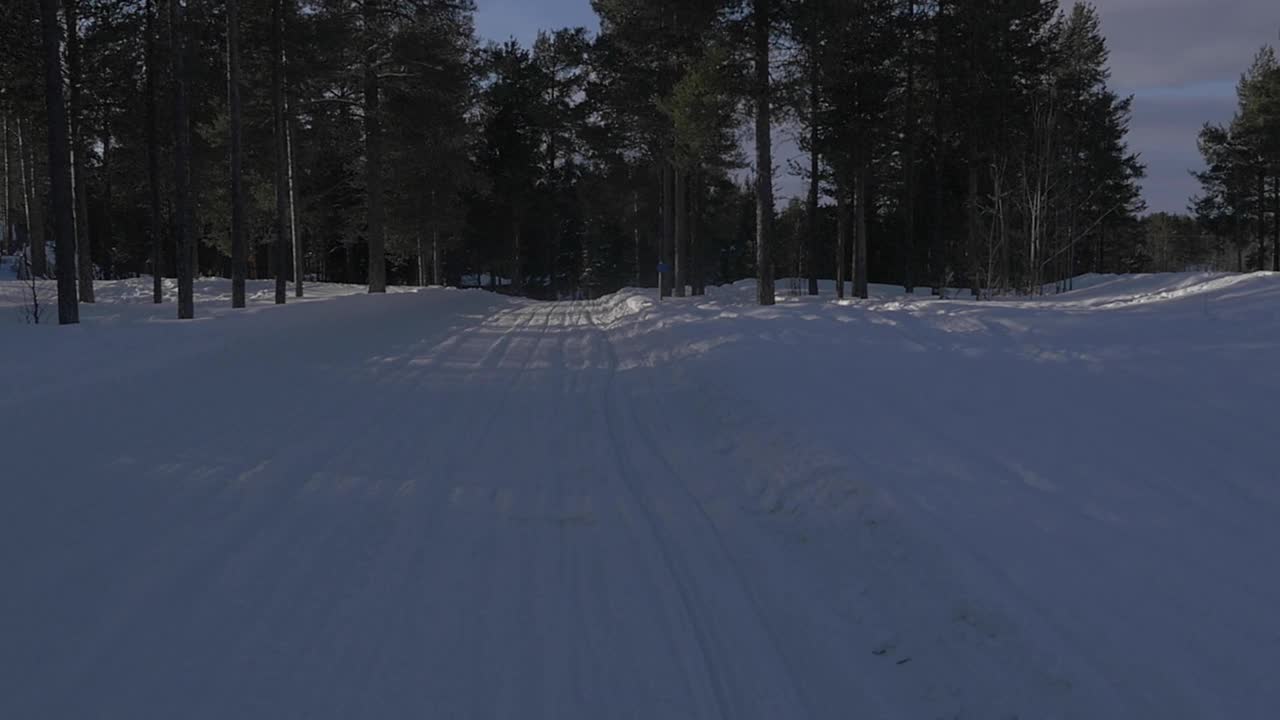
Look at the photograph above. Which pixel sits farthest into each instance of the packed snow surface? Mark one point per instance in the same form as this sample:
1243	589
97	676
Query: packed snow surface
452	504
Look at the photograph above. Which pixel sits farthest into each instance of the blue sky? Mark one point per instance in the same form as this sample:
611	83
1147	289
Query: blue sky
1179	58
501	19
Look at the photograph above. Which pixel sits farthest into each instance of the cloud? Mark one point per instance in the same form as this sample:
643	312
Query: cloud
1181	59
1177	43
1163	131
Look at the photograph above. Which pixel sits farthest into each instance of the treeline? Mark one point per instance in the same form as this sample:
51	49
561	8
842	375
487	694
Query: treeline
968	143
1238	207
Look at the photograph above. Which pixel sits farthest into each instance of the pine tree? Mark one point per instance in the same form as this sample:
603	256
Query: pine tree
185	252
762	34
283	251
511	134
75	110
154	225
1243	159
859	82
7	243
239	253
702	108
59	164
644	52
373	39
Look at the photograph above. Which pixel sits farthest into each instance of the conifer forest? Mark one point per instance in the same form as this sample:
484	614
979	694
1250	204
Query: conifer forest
651	359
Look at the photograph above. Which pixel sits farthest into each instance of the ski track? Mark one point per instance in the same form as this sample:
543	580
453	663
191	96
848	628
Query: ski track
456	505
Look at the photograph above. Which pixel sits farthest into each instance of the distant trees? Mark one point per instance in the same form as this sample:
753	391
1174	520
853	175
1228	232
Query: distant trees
429	139
509	154
22	102
668	89
945	143
1174	243
1239	202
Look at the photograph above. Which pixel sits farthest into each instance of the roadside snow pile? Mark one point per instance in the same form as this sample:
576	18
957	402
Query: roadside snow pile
620	306
1121	291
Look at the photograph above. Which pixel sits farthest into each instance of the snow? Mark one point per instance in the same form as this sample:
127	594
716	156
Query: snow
9	267
450	503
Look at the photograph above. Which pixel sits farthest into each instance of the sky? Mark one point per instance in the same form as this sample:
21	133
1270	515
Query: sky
1180	59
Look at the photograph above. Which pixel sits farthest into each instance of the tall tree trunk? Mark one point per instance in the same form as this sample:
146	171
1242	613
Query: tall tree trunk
517	259
295	240
185	252
697	267
1262	221
1275	223
6	238
283	254
1071	250
937	252
153	158
635	233
814	227
104	229
373	152
667	241
1102	246
422	261
31	205
553	257
764	154
239	251
553	217
861	206
428	220
299	249
682	232
1006	259
842	240
909	161
59	164
435	255
974	232
84	249
815	163
1238	242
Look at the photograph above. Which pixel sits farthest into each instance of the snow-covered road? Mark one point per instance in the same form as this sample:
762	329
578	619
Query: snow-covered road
450	504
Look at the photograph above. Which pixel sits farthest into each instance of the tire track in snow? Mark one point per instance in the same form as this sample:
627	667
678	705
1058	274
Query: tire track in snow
794	698
736	696
709	678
